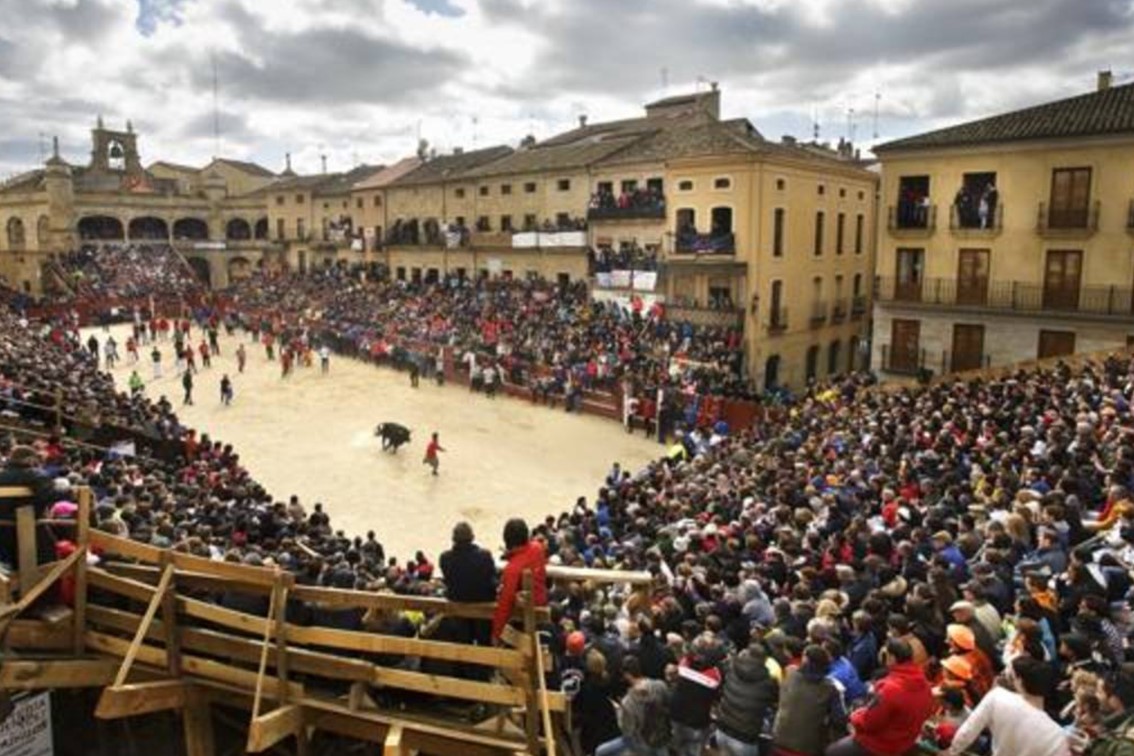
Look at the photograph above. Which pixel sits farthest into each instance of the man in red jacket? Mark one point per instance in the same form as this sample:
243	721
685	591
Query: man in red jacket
522	554
891	723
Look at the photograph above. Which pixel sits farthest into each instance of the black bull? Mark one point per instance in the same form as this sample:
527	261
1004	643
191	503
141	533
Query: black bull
392	435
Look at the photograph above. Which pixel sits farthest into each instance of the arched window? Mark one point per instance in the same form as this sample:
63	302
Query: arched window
772	372
43	232
16	237
262	228
101	227
190	228
833	353
238	230
812	362
149	228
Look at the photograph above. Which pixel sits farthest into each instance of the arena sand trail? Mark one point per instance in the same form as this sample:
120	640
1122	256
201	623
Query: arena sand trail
313	435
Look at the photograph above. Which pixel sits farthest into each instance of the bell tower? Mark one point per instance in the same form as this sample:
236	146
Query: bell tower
115	151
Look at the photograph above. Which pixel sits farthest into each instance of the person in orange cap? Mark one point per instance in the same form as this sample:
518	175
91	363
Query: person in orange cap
962	645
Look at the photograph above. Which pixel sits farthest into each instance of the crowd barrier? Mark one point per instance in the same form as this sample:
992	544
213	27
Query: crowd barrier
140	625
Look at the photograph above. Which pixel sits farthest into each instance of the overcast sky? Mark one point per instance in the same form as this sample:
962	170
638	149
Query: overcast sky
359	79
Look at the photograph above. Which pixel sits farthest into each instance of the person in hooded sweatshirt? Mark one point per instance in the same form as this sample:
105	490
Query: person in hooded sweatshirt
811	708
890	724
748	698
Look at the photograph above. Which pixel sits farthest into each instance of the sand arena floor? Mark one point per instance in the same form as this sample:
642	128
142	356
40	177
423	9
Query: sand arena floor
313	435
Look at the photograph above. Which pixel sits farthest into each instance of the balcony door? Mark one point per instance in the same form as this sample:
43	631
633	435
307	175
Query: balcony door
908	275
1070	197
905	345
972	277
1063	271
968	347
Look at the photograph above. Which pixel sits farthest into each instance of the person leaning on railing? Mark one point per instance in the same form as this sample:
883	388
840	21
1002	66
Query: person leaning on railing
22	470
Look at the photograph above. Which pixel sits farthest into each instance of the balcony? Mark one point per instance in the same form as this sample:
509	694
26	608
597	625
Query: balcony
1009	296
1067	223
969	225
705	244
911	219
952	362
640	212
777	320
818	314
858	306
839	311
903	361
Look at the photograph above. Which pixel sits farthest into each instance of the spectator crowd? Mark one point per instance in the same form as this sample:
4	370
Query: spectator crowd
871	570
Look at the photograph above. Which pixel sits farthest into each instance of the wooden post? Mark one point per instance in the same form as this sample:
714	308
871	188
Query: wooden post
82	536
264	653
144	626
26	548
197	719
531	718
169	619
281	643
393	744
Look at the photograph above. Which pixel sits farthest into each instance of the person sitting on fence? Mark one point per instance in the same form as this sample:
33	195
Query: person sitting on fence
523	554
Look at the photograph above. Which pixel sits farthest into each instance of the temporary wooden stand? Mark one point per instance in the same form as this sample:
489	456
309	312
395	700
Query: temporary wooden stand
169	649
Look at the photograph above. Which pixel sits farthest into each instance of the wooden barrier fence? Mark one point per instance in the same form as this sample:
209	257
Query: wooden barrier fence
144	626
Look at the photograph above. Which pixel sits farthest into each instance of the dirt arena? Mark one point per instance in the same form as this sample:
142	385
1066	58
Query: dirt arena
313	435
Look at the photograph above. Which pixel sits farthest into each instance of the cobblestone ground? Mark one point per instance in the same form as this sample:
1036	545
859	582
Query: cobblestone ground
313	435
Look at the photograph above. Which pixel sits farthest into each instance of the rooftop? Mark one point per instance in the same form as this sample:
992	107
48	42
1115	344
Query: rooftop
1107	111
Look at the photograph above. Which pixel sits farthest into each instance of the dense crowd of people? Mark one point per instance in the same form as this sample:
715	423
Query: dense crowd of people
873	570
101	272
538	334
627	257
647	199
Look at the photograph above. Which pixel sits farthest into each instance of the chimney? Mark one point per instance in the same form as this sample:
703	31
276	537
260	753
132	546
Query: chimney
458	150
323	158
713	85
582	120
787	139
1105	79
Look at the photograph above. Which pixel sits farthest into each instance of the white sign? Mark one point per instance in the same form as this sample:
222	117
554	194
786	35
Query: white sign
210	245
27	732
495	266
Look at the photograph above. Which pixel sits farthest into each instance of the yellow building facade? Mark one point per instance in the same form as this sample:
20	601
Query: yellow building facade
1008	239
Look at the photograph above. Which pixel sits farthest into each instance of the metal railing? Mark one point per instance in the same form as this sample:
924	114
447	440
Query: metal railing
778	320
1073	220
912	216
706	244
819	312
839	311
858	305
1014	296
626	213
903	361
969	223
951	362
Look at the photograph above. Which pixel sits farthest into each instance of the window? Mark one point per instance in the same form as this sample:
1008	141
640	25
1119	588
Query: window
772	372
459	193
300	230
529	188
721	221
400	273
358	203
905	346
686	220
345	203
299	199
279	199
655	185
842	191
505	222
968	347
781	184
910	268
812	363
913	209
563	279
777	317
822	190
1055	344
833	352
840	223
484	191
722	183
857	285
861	194
377	200
1062	275
629	186
483	224
415	275
460	221
280	228
505	188
859	222
606	187
563	220
685	186
972	276
564	185
819	221
529	222
1070	198
778	232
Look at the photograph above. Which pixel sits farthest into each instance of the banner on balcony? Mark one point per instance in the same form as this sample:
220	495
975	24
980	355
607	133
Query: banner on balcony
27	731
620	279
645	280
602	280
526	240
